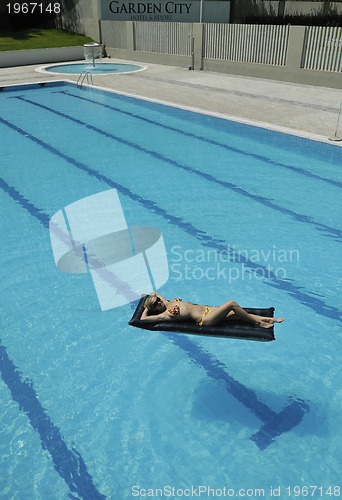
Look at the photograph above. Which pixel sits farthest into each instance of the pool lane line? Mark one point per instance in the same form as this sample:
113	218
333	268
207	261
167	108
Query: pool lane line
227	147
329	230
18	197
275	424
68	463
314	303
44	219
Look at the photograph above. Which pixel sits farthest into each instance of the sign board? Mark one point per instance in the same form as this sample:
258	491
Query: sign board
165	10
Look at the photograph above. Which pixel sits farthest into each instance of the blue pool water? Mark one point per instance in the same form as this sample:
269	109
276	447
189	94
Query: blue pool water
92	408
98	69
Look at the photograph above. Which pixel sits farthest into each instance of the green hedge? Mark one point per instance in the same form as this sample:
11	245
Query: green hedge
40	39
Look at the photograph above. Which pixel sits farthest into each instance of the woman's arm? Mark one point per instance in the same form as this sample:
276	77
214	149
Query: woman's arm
160	296
154	318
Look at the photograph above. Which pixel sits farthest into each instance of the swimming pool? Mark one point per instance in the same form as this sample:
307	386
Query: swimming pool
93	408
102	68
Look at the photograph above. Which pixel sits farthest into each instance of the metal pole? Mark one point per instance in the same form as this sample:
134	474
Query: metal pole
202	28
192	51
335	136
202	46
201	11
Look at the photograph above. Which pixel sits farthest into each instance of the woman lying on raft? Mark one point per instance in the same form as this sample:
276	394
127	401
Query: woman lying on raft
158	309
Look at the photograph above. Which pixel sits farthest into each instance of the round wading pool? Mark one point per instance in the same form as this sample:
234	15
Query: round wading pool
102	68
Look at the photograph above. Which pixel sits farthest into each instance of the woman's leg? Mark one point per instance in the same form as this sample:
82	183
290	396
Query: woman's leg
266	319
220	312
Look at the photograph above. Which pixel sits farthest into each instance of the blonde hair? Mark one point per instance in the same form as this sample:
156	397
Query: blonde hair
148	302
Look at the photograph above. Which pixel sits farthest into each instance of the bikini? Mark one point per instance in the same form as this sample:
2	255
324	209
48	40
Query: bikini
175	309
206	311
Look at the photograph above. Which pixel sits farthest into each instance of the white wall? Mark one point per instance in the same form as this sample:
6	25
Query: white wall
40	56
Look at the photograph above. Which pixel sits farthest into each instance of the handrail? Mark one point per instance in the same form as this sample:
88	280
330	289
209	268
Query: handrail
85	75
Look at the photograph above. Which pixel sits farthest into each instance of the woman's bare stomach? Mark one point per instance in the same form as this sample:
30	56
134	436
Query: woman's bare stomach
193	312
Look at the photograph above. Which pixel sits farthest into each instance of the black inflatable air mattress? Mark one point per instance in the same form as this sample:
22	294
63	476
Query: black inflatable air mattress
234	329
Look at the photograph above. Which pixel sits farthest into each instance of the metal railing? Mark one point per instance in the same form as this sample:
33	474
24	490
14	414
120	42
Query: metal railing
247	43
163	37
322	48
85	75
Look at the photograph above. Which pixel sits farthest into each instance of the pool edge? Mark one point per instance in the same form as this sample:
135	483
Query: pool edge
245	121
42	69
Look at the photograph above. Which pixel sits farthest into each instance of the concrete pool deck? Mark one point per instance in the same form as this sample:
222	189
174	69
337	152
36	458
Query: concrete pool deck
308	110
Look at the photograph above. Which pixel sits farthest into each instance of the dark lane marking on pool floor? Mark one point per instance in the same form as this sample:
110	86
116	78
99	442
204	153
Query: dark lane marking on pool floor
69	464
